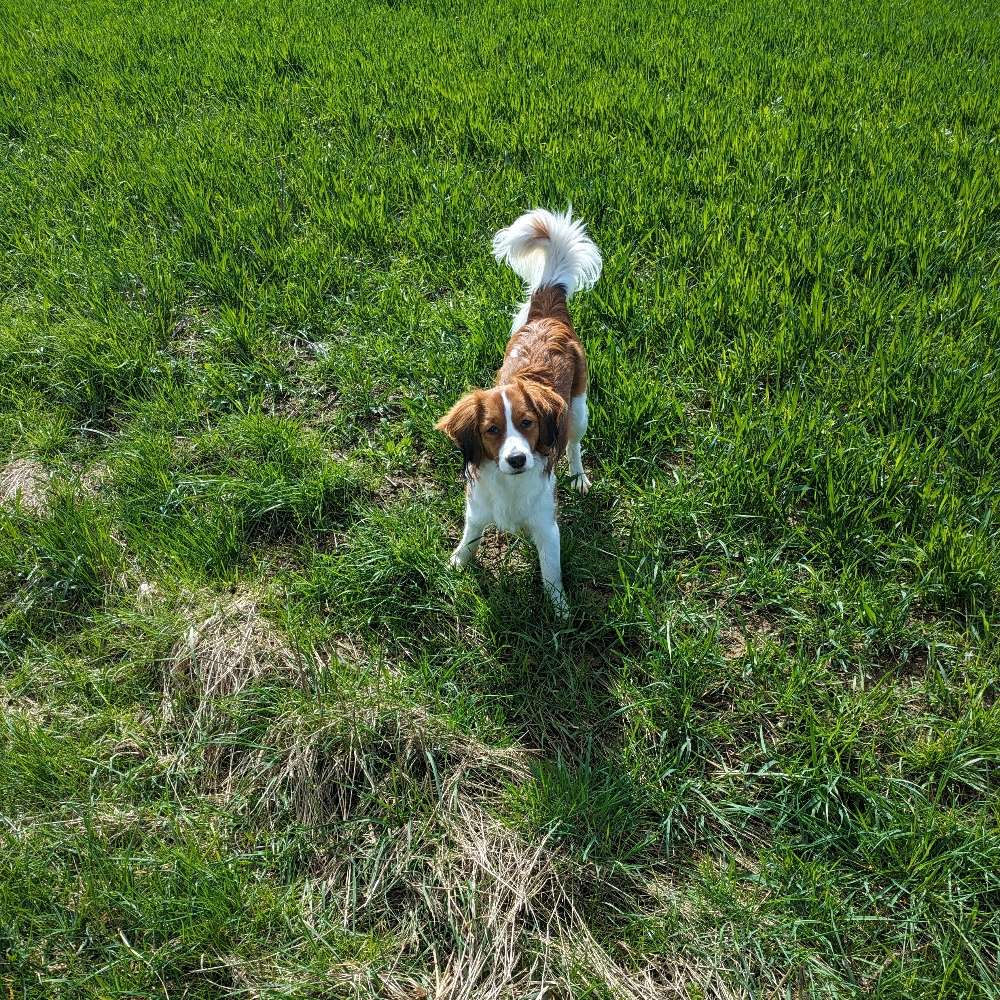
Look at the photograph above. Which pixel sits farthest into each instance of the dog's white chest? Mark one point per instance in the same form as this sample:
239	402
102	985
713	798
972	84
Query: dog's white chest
513	503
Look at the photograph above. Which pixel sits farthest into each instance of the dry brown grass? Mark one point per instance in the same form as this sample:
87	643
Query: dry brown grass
320	759
230	644
491	913
24	481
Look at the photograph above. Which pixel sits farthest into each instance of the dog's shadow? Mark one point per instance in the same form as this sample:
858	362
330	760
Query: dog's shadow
563	690
554	685
553	680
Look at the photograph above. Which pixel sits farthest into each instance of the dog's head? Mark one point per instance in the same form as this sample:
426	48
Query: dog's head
514	425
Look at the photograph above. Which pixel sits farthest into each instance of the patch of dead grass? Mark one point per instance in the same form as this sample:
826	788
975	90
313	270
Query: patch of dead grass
491	914
320	760
407	845
479	910
229	645
24	481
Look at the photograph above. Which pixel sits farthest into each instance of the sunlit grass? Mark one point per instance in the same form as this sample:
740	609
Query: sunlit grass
258	740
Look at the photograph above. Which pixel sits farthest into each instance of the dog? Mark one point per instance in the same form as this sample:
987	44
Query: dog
512	436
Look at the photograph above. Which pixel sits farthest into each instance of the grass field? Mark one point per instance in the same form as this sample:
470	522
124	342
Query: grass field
258	741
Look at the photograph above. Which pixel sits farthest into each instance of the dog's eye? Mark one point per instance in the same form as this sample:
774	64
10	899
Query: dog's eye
526	423
493	429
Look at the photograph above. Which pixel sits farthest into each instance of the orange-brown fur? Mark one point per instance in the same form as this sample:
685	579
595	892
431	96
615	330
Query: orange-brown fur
544	367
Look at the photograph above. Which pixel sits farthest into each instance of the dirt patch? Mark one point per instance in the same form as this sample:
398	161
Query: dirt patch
94	478
191	325
740	634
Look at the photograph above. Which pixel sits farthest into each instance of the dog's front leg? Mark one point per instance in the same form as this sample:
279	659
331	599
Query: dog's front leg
546	538
476	522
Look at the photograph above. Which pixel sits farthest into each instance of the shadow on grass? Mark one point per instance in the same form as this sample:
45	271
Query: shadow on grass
563	688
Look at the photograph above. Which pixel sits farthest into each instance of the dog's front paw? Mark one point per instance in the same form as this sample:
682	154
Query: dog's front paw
458	559
559	604
581	483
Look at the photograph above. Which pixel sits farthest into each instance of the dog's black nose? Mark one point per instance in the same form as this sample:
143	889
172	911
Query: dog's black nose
517	460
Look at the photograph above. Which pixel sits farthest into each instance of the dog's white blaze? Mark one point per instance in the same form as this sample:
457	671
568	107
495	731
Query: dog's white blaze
514	442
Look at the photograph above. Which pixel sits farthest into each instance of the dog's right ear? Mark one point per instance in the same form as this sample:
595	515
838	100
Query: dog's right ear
461	424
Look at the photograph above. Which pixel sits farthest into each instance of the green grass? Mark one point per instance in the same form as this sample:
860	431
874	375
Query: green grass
258	741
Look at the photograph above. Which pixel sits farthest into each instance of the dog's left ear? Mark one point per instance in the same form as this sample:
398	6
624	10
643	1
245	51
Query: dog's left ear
551	409
461	424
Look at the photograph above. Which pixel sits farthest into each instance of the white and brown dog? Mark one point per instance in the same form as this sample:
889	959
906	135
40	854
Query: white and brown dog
512	435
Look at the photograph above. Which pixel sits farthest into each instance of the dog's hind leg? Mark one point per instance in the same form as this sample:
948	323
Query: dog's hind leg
578	419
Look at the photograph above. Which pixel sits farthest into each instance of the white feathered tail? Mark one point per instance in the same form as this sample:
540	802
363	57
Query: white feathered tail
547	249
